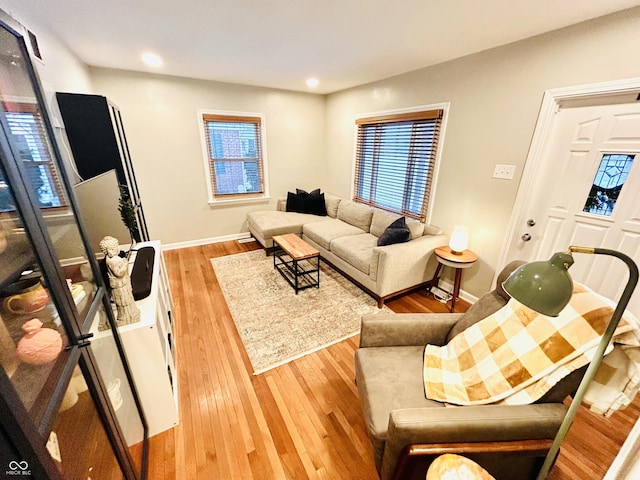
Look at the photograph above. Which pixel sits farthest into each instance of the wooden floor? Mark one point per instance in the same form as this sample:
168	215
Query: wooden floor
303	419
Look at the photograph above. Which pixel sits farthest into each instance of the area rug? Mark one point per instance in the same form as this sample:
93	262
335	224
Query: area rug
278	326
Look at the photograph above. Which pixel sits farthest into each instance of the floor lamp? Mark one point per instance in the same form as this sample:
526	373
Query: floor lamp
546	287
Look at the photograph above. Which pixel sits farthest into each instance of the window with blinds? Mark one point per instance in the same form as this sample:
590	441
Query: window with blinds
395	161
235	156
27	128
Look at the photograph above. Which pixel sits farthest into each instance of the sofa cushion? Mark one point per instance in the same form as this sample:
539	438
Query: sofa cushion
397	232
432	230
389	378
324	231
381	220
355	214
416	228
356	250
267	223
331	203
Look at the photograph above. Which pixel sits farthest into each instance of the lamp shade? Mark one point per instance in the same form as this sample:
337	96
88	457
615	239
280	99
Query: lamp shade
545	286
459	241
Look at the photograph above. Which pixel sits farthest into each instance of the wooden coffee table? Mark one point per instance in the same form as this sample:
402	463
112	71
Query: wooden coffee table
297	261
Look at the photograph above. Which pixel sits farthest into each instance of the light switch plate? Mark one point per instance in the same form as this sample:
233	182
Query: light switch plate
504	171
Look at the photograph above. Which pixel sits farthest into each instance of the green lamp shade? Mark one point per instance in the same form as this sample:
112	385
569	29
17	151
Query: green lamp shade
545	286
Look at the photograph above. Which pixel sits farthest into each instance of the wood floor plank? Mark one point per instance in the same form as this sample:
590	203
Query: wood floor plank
303	419
299	443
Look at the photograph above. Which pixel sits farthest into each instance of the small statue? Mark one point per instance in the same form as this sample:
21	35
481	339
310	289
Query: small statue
120	282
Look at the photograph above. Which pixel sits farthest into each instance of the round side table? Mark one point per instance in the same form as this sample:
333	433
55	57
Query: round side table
446	257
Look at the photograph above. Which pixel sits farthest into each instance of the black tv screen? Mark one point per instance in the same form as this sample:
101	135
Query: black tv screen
98	201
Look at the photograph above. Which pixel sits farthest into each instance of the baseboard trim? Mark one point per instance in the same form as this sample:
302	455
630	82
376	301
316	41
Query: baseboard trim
206	241
246	237
464	295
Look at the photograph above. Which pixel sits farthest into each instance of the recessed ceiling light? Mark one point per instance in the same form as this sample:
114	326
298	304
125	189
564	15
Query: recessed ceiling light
152	60
312	82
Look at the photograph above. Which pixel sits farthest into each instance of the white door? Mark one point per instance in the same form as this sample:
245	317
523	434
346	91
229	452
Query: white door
586	191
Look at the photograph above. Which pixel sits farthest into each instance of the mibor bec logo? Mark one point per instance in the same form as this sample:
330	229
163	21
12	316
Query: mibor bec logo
18	468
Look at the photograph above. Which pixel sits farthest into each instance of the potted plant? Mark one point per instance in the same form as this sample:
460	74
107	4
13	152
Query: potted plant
128	214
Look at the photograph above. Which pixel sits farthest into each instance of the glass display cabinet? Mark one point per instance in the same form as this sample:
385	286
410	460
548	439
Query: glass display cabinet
61	406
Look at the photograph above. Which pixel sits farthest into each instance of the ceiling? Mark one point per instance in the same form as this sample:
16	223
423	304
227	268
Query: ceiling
280	43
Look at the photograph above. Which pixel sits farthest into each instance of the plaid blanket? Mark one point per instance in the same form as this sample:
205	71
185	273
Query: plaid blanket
516	355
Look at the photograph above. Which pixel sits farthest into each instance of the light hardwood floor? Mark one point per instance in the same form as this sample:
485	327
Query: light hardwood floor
303	419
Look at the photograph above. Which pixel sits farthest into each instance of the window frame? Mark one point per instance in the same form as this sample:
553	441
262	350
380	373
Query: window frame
238	198
400	115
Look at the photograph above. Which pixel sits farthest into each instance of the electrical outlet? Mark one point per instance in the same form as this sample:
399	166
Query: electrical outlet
504	171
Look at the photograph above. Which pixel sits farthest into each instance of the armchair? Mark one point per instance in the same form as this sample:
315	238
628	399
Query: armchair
408	431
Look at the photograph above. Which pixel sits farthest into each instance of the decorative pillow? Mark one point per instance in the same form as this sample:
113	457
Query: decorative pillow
397	232
315	205
295	202
306	202
380	221
313	202
299	191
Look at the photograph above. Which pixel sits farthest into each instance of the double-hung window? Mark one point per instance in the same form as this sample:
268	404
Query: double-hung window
395	162
234	158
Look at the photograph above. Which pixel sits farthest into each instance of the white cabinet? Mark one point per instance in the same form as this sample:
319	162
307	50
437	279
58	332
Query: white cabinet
150	350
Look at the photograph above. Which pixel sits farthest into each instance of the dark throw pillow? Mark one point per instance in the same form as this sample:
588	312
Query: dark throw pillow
299	191
397	232
295	202
311	202
315	205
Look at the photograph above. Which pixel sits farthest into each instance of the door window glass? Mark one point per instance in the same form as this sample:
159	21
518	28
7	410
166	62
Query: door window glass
32	339
107	359
24	123
607	184
78	442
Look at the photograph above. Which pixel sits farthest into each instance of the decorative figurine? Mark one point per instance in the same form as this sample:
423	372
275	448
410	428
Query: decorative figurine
120	282
40	345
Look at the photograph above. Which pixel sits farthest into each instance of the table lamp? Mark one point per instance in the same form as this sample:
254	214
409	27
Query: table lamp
546	287
459	240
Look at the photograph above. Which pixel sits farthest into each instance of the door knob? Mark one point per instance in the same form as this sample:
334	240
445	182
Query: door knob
531	222
526	237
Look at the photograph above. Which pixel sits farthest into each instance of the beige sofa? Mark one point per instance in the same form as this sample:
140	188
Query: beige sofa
347	239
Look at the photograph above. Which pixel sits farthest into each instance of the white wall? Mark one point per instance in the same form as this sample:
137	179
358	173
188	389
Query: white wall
495	97
61	69
160	119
